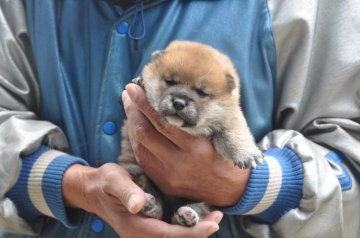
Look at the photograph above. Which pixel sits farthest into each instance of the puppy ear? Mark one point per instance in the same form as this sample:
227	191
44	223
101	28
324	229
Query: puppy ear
157	54
230	82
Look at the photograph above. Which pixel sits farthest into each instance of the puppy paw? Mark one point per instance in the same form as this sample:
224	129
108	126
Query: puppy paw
248	159
139	81
152	207
186	216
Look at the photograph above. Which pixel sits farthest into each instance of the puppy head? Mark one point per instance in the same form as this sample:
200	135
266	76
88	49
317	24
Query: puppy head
191	85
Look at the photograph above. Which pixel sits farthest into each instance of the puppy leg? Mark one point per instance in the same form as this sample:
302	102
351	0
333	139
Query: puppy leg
241	149
152	207
190	214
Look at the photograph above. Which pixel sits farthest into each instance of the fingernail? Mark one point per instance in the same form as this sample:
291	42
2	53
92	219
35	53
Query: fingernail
133	200
124	97
132	91
218	217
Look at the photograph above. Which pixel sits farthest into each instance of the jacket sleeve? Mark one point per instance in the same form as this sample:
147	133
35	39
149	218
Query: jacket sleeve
31	164
308	185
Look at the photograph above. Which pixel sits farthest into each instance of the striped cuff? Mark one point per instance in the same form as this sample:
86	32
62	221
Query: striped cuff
38	189
274	187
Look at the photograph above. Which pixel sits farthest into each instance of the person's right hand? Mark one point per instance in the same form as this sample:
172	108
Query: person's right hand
110	193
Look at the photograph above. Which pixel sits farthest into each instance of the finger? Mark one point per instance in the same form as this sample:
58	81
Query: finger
119	184
202	229
156	228
142	132
151	164
215	216
176	135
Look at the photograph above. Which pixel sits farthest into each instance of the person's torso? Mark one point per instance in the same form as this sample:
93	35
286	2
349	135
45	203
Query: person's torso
85	55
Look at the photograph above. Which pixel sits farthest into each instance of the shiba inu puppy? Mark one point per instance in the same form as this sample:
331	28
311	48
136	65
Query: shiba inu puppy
196	88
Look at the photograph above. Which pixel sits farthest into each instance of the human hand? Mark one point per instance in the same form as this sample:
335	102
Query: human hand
110	193
190	164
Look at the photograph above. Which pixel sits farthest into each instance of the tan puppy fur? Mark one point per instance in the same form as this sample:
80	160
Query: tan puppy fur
196	88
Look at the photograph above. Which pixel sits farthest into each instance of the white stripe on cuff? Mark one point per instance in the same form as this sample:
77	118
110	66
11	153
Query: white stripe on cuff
35	181
273	187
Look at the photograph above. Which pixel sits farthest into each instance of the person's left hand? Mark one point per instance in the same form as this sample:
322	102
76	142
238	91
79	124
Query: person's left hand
180	164
109	192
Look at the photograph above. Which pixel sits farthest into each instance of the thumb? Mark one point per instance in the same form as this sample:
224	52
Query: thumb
133	100
132	196
135	203
214	216
136	93
124	189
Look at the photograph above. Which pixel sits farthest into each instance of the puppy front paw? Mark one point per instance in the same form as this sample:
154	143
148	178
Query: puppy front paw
139	81
246	159
152	207
186	216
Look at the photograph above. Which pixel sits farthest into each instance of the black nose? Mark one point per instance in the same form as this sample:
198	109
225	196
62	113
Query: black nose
179	103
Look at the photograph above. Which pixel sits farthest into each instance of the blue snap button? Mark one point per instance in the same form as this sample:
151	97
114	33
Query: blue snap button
97	225
122	28
109	128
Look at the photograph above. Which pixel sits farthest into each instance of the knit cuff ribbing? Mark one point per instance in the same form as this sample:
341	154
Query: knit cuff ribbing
274	187
38	190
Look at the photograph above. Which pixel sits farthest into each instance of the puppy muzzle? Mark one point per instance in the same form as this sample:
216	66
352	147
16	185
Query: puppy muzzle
179	109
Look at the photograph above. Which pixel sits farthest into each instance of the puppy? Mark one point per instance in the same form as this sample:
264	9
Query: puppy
196	88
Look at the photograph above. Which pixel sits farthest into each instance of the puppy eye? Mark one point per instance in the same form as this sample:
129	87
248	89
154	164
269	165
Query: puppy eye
201	92
170	83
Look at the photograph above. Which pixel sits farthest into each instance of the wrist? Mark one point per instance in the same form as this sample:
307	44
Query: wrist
237	180
77	188
232	182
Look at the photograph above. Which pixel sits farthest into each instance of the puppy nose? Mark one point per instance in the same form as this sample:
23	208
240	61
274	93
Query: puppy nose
179	103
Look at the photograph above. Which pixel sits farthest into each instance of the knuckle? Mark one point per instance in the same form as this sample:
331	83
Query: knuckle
111	173
142	162
141	130
107	167
109	177
138	148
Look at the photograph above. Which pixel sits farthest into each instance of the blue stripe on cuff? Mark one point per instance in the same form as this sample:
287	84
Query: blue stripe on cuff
19	193
52	186
292	183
